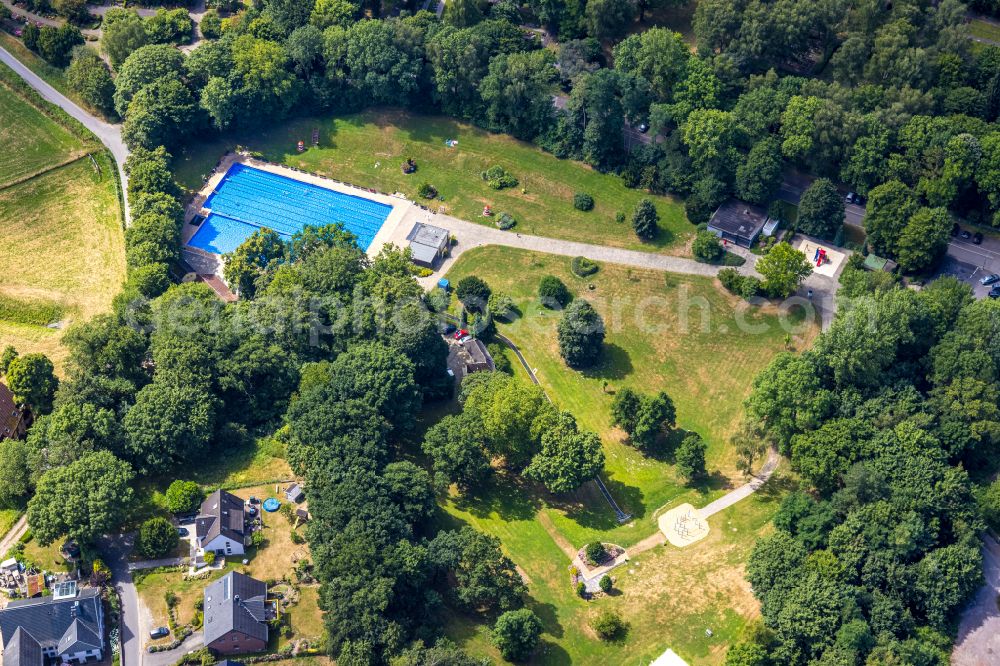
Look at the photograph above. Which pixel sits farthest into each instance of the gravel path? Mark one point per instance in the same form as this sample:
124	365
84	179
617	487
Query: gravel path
16	531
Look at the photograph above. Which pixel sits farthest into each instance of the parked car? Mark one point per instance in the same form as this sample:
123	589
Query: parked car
643	128
994	293
851	198
461	334
989	279
965	235
955	229
977	238
187	519
182	532
159	632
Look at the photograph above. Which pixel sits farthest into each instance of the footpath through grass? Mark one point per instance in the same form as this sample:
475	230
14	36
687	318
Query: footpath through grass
63	253
31	141
367	149
678	333
667	596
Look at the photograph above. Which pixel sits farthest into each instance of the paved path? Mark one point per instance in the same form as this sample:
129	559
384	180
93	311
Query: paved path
108	134
14	534
471	235
170	657
747	489
115	550
978	642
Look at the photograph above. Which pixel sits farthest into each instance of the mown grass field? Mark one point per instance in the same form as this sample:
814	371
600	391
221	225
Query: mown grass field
31	141
668	596
367	149
63	253
682	334
984	30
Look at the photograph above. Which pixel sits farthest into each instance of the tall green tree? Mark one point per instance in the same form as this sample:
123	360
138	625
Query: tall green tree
821	209
31	378
783	269
924	240
568	458
82	500
581	335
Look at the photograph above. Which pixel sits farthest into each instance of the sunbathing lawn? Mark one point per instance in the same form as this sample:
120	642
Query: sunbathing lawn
706	372
367	149
668	596
63	249
32	141
47	557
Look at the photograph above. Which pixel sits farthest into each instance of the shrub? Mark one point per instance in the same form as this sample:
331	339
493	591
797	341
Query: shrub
498	178
211	24
553	293
595	552
516	634
605	583
608	624
157	538
583	201
730	279
438	299
184	496
746	286
750	287
500	305
506	221
209	558
583	267
170	598
427	191
473	293
297	538
706	247
581	589
500	360
620	217
644	220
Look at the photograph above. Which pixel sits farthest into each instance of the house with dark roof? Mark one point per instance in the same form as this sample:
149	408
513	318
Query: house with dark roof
738	222
68	625
221	524
236	615
14	420
475	357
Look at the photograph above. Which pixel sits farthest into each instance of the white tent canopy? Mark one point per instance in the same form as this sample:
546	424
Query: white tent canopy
669	658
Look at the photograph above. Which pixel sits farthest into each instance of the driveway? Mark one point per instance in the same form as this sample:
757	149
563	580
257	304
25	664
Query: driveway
170	657
794	183
978	642
115	550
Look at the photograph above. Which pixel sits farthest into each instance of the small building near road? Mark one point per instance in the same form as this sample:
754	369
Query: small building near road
14	420
68	625
221	524
876	263
738	222
236	615
427	244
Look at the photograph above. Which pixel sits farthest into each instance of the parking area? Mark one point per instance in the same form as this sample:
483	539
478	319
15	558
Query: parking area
965	272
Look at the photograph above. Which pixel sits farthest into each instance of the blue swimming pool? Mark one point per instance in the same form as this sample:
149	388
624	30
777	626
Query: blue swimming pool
248	199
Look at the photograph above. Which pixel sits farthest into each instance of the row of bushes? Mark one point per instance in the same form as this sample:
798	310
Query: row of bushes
583	267
746	286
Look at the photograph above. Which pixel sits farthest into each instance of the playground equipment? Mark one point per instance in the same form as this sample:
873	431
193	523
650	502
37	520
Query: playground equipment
820	257
688	525
487	211
301	147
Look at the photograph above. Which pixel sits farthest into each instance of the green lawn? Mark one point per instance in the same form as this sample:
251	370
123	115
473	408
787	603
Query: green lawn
368	149
667	595
32	142
984	30
678	333
64	253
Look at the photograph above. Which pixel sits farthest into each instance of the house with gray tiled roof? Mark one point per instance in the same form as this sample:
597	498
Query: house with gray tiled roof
221	525
68	625
236	615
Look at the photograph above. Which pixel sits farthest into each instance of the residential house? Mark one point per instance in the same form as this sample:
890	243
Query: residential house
236	615
221	525
68	625
474	356
738	222
14	420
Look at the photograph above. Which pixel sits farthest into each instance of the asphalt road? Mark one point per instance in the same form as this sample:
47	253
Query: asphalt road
978	642
115	550
793	184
